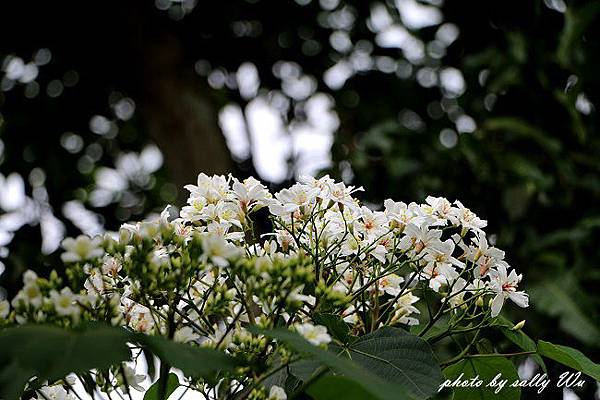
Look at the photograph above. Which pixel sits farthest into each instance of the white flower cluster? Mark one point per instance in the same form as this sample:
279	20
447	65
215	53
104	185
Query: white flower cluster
205	276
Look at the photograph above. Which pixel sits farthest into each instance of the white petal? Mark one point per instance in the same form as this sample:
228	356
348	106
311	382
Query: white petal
497	304
69	257
519	298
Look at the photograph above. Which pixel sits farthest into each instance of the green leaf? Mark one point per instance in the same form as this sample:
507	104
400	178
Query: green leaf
570	357
367	381
50	353
399	357
304	369
335	325
484	346
196	362
292	384
153	392
334	387
520	339
278	378
485	369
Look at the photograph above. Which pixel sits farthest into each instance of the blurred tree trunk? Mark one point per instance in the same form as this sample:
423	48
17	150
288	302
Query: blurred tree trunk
181	115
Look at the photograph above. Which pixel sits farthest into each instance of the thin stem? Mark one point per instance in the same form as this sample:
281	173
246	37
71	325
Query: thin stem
456	359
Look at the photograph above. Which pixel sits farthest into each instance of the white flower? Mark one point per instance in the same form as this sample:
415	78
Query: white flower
199	288
71	379
423	215
218	250
213	188
441	208
483	254
94	284
284	239
132	379
183	230
420	238
440	265
379	252
291	200
250	194
210	212
315	334
390	284
82	248
149	229
398	212
505	286
350	246
29	295
308	300
185	335
29	277
437	275
350	315
339	193
56	392
466	218
64	302
140	318
323	183
442	254
404	308
160	257
222	229
373	224
228	212
111	266
4	309
194	210
277	393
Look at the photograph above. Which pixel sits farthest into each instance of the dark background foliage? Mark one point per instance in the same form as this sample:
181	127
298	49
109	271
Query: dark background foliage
492	103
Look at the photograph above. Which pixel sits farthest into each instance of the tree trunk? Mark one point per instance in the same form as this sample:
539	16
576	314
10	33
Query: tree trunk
181	116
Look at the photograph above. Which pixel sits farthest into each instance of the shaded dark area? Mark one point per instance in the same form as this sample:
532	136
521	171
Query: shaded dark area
517	143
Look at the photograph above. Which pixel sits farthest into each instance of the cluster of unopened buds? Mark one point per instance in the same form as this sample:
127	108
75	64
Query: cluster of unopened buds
204	276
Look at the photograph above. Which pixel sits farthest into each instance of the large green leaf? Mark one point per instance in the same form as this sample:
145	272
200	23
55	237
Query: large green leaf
334	387
485	369
365	379
304	369
397	356
570	357
51	353
153	392
196	362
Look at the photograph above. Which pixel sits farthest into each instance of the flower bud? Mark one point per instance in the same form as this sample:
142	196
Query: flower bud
125	236
479	301
518	326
